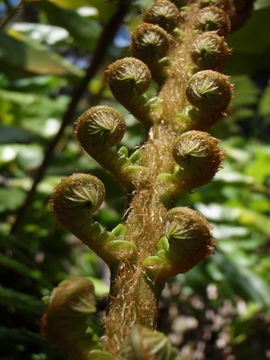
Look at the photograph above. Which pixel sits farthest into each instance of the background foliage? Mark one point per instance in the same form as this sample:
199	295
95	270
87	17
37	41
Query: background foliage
218	310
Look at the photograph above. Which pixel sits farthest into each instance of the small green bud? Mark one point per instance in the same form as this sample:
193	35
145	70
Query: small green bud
123	151
146	344
119	231
163	13
213	18
136	157
209	51
199	158
209	91
98	354
186	242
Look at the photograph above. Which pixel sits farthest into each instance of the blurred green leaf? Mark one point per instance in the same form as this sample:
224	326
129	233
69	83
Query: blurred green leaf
264	105
250	53
260	4
10	198
37	114
19	57
19	267
244	281
13	134
105	8
245	91
83	30
246	217
245	40
101	289
20	334
259	168
42	33
20	301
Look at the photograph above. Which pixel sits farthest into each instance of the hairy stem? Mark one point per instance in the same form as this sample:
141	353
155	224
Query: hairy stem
134	297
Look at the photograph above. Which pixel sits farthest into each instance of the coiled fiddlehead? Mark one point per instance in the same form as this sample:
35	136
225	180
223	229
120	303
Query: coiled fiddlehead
181	46
187	241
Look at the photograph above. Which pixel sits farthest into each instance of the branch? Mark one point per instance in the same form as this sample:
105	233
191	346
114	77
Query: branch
105	41
11	12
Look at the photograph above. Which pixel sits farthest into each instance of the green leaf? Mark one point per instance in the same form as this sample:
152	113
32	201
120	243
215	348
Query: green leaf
261	4
101	289
245	91
20	301
250	52
246	40
37	114
264	105
13	134
28	156
20	334
249	218
83	30
244	281
105	8
43	34
11	198
20	57
240	63
259	168
19	267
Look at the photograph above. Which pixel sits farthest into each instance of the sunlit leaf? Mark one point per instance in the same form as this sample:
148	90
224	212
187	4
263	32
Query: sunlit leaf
105	8
261	4
19	57
264	106
44	34
11	198
83	30
259	168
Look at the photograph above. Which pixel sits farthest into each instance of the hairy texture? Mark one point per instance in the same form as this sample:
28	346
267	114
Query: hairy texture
181	46
209	51
65	322
186	242
148	345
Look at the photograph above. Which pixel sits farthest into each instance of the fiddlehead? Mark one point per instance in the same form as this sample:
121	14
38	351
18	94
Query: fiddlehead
129	78
74	201
180	45
65	322
187	241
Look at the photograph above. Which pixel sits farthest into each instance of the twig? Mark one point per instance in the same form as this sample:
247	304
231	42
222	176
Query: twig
11	13
105	41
